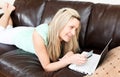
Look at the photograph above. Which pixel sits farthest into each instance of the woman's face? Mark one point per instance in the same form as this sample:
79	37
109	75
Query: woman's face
69	30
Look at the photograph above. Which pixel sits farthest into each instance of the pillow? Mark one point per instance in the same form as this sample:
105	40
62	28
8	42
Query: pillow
110	66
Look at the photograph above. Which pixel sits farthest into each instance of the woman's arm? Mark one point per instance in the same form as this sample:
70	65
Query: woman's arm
43	57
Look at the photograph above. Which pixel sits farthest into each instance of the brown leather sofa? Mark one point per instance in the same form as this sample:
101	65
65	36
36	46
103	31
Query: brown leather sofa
100	22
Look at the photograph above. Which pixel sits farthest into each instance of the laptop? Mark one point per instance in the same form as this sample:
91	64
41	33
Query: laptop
93	61
104	52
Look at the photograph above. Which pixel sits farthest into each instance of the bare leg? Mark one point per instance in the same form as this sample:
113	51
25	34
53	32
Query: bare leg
5	20
10	23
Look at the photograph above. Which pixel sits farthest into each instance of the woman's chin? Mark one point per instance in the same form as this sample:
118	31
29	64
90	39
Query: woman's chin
66	40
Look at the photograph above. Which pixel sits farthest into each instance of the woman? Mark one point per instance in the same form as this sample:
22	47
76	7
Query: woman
5	20
48	41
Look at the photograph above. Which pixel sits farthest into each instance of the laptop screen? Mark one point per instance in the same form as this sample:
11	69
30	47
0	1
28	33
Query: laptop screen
105	51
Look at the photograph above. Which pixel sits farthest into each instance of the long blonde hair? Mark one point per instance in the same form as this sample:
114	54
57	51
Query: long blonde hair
58	22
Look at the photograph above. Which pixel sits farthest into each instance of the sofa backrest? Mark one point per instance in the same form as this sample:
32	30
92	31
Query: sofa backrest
28	13
100	22
104	24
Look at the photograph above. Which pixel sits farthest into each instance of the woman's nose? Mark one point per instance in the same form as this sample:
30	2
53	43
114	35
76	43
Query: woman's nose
73	32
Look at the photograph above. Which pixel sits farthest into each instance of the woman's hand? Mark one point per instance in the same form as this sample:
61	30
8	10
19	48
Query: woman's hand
72	58
78	59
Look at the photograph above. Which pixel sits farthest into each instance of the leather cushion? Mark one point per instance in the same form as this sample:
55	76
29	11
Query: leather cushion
18	63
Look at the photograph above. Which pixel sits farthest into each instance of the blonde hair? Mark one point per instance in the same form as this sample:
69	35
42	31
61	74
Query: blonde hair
58	22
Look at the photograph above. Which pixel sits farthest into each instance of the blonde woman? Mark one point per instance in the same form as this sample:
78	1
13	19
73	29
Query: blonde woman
5	20
49	41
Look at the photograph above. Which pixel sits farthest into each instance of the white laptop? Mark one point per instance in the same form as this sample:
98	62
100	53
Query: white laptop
90	66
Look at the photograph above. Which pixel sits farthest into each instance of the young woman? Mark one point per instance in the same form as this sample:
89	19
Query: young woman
5	20
49	41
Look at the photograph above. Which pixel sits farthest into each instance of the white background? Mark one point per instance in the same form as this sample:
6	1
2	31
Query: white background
115	2
9	1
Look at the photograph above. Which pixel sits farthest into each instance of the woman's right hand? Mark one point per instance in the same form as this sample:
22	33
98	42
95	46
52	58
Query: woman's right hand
78	59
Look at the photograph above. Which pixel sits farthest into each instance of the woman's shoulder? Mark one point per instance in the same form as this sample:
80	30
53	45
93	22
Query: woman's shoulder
43	31
42	28
45	25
